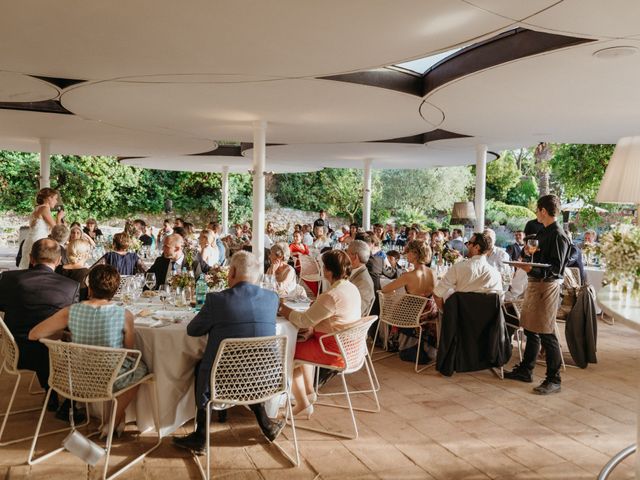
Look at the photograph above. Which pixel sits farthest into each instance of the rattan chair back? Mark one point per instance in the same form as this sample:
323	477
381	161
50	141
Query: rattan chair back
401	311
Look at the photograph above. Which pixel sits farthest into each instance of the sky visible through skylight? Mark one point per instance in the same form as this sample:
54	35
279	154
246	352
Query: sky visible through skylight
421	65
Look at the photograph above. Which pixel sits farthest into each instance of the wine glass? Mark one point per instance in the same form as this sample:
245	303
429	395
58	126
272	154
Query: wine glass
164	292
532	247
150	280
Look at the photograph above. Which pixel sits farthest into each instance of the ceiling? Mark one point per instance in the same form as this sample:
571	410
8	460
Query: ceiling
158	79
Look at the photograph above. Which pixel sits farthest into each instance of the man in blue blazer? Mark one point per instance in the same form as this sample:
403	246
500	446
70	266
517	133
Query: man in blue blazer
241	311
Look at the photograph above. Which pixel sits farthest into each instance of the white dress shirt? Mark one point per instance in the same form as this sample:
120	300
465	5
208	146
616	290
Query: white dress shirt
497	257
471	275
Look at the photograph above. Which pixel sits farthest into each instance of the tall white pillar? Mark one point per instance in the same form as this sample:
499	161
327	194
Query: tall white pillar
225	200
481	185
366	200
259	163
45	164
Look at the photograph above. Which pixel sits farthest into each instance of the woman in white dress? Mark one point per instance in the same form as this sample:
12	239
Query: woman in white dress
209	252
41	221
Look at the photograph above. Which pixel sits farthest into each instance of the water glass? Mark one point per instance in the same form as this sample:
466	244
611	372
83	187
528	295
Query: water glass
180	299
164	292
150	280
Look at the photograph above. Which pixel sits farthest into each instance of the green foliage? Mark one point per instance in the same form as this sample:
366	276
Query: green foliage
579	169
502	175
525	193
514	216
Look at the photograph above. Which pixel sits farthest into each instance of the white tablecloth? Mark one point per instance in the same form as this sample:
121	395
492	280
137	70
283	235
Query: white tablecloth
595	275
172	355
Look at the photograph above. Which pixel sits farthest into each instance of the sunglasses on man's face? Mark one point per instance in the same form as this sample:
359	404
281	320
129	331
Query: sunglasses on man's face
470	242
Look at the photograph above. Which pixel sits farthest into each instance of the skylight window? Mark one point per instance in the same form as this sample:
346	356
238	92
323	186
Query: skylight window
421	65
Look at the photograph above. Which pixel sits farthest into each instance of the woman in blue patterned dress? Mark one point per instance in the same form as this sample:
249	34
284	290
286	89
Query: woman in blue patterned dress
97	321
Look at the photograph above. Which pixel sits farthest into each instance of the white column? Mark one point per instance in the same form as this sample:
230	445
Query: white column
259	162
45	164
481	185
366	200
225	200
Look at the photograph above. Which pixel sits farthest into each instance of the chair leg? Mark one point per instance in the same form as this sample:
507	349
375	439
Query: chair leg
33	380
519	334
206	473
290	420
375	387
8	413
419	348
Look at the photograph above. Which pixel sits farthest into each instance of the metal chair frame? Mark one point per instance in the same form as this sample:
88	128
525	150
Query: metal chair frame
86	373
352	346
248	371
10	356
403	311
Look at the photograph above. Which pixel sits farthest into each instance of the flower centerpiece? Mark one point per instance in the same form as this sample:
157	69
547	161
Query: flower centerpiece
217	277
183	280
620	248
452	256
437	247
190	254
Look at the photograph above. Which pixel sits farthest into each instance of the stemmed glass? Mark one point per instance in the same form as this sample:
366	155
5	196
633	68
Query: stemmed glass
164	291
532	247
150	280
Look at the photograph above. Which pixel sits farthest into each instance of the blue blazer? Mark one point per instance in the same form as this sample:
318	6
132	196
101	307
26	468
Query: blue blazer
246	310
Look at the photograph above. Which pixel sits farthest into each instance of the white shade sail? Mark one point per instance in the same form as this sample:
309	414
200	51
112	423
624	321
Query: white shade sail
621	182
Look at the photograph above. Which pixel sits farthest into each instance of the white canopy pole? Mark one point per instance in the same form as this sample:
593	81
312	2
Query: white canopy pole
366	200
45	164
259	162
225	200
481	185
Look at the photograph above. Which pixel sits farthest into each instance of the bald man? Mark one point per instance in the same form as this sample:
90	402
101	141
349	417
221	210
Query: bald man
172	260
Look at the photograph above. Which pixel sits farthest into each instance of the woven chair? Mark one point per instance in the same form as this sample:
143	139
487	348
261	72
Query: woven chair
85	373
310	270
403	311
248	371
352	345
10	354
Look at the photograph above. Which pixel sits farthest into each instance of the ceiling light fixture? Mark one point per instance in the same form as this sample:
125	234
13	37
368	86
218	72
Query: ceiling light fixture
616	52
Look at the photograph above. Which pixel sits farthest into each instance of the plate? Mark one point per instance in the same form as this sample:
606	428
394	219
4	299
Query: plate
522	264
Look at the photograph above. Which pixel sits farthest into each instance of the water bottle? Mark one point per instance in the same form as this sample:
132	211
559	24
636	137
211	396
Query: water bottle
201	291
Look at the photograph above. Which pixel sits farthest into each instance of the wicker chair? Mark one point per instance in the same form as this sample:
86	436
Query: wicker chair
10	355
403	311
352	344
248	371
85	373
310	270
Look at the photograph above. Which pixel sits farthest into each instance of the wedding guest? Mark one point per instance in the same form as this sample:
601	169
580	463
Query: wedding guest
126	262
284	274
515	249
472	275
91	229
178	222
27	297
321	240
60	233
209	252
141	229
378	231
165	231
445	234
76	233
180	231
359	254
242	310
97	321
496	256
298	248
172	260
394	270
590	239
457	241
419	281
542	298
190	235
269	235
322	221
351	236
335	310
41	221
307	238
77	253
412	234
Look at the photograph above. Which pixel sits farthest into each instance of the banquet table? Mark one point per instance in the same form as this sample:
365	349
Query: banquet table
595	275
172	355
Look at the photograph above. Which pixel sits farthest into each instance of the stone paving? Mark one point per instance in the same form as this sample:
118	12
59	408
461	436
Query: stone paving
469	426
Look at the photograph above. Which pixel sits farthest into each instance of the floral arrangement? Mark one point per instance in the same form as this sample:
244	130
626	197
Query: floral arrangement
190	253
452	256
130	229
620	247
183	280
217	277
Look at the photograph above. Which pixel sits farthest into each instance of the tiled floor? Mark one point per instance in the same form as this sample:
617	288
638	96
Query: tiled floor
469	426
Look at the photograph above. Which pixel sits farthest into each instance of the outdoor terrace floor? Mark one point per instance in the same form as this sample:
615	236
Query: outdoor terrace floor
469	426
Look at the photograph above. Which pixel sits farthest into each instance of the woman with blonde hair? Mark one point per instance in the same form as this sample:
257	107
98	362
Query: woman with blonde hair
208	249
78	252
41	221
283	273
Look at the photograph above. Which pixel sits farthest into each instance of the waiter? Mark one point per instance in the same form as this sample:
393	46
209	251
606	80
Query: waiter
542	297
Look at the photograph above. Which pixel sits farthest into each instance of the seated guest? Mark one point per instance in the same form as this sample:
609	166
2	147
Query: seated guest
575	261
99	322
359	253
419	281
496	256
472	275
27	297
141	229
298	248
60	233
172	260
91	229
269	235
126	262
378	231
165	231
590	239
242	310
78	252
320	238
307	238
515	250
457	241
284	274
394	270
412	234
333	311
178	222
209	253
376	250
75	233
375	264
351	236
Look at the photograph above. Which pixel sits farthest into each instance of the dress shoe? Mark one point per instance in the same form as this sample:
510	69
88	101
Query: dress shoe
194	441
519	373
547	388
304	414
313	397
273	430
117	432
64	411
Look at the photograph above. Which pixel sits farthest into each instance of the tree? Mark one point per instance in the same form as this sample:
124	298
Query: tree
502	175
542	153
579	169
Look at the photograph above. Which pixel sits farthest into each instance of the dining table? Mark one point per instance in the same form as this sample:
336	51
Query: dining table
172	355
